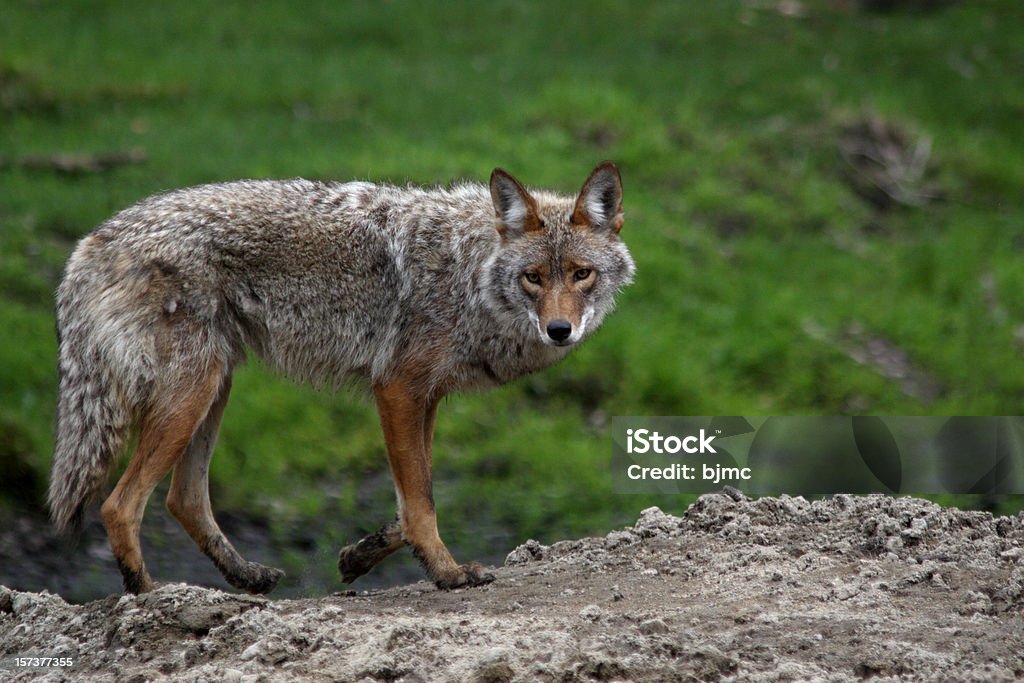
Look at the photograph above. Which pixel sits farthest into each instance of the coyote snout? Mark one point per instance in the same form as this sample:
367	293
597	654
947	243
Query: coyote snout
559	331
417	292
563	309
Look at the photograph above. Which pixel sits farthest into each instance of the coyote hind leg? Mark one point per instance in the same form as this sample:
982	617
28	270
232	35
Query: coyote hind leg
189	502
166	431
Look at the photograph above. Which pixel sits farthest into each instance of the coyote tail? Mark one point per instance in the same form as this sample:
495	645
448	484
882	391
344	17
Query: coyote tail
95	408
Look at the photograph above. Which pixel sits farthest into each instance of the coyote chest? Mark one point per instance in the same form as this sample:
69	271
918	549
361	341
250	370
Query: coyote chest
418	292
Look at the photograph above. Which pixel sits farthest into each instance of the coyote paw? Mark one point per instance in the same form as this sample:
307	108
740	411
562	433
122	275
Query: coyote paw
255	578
138	582
356	559
466	575
352	563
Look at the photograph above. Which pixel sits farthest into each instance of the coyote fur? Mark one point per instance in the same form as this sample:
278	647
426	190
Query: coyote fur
418	292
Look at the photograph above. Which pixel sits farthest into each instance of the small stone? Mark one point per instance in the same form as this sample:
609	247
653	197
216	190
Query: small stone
653	626
251	651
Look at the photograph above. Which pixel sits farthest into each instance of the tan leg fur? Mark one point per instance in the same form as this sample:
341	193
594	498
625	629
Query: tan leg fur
166	431
189	502
408	423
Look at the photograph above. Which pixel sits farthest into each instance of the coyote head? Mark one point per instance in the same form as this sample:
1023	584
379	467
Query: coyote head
561	260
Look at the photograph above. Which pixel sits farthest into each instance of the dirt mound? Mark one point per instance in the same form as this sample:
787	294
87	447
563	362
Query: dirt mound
736	589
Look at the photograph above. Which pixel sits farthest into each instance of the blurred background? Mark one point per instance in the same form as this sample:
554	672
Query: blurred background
823	197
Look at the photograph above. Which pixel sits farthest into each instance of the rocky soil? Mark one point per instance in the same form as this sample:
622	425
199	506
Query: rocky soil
774	589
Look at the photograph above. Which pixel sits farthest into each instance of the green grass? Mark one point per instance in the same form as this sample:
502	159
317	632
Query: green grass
725	119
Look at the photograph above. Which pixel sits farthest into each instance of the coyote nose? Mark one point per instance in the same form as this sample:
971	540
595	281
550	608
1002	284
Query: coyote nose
559	330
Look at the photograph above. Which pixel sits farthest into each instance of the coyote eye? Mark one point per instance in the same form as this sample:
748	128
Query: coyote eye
532	277
582	274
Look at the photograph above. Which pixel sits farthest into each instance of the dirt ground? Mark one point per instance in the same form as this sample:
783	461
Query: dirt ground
775	589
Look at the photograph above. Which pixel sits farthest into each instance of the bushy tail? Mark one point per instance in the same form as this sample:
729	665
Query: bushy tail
94	412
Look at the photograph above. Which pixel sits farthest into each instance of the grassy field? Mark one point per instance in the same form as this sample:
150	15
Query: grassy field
822	202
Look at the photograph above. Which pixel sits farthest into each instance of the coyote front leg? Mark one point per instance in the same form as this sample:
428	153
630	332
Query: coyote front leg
358	558
407	420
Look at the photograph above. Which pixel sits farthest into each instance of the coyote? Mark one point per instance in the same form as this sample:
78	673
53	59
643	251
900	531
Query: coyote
418	292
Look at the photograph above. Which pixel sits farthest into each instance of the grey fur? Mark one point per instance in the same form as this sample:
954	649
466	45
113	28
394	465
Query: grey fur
326	282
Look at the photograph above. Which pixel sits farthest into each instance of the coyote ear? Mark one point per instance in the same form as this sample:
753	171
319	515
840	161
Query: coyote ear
515	209
599	205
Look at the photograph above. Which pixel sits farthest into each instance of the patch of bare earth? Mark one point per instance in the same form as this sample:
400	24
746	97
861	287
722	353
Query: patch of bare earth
772	589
